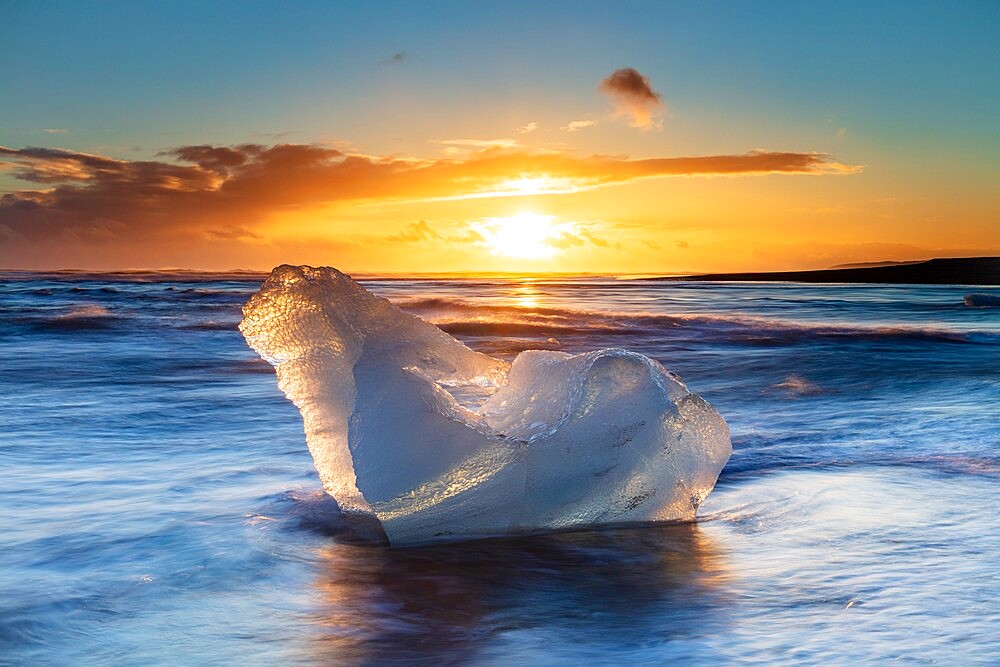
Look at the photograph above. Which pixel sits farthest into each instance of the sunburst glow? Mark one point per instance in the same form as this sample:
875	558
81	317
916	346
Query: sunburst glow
523	236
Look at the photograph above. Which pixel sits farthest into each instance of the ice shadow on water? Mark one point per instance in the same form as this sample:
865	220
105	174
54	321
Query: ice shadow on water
621	588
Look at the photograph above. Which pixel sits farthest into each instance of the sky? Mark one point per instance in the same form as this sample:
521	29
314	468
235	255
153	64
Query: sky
484	137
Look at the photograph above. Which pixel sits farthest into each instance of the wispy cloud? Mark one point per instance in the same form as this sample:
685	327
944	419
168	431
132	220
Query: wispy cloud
577	125
414	233
633	97
478	143
55	130
528	129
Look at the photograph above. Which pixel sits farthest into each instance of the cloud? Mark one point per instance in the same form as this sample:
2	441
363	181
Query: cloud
633	97
396	59
218	159
528	129
599	241
55	130
477	143
232	233
415	232
576	125
231	189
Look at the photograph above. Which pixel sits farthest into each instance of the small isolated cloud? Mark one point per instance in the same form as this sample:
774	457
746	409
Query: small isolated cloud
841	133
480	144
577	125
598	241
572	235
55	130
396	59
633	97
528	129
681	243
415	232
232	233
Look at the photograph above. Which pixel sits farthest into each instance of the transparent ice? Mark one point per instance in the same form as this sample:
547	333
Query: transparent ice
440	442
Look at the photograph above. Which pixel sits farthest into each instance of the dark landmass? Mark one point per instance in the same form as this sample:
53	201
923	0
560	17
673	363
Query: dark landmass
949	271
867	265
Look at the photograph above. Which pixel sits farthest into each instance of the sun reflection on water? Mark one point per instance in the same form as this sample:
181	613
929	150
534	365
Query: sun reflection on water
526	296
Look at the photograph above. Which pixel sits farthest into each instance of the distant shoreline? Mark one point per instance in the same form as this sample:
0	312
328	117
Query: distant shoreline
983	271
944	271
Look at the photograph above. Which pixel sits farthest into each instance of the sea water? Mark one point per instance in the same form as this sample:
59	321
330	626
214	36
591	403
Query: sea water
158	503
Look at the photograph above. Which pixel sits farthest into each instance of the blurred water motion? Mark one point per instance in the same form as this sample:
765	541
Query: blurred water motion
159	503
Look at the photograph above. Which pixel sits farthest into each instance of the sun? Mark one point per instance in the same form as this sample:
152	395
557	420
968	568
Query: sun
523	236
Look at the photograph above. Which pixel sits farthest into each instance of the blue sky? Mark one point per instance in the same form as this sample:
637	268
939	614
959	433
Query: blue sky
734	74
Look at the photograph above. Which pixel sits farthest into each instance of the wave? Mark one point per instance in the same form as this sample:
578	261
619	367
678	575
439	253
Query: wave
93	317
86	317
798	386
982	300
210	325
464	318
141	276
753	457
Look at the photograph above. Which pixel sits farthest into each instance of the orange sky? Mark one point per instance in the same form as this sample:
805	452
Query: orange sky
254	206
525	146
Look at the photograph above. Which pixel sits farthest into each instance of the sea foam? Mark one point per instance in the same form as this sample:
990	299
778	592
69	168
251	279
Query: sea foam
437	441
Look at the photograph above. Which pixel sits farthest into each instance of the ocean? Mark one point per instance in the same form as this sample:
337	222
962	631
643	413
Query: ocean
158	504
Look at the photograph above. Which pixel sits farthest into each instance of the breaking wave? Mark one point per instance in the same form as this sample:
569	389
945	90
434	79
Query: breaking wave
87	317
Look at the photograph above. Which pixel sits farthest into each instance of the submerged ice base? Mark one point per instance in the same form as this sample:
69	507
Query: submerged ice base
559	441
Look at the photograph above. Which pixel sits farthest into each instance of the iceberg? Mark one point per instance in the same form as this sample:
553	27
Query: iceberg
439	442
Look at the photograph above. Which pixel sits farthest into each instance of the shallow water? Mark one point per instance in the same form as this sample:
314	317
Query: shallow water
159	504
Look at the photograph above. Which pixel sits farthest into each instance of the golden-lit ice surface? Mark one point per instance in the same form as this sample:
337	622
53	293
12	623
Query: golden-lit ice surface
551	441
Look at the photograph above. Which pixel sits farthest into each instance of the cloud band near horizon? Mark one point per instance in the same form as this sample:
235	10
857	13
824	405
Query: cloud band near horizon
232	187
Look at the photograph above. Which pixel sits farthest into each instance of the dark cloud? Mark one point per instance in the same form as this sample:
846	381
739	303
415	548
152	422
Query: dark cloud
396	58
633	97
213	158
